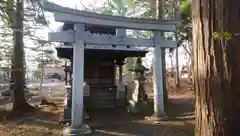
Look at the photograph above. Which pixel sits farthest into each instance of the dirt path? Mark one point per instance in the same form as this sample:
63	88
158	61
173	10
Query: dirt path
111	122
117	122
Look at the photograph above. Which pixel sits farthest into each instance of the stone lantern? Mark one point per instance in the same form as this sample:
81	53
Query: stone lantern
139	76
138	95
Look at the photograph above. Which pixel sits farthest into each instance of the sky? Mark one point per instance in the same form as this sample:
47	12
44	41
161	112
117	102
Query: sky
53	26
80	4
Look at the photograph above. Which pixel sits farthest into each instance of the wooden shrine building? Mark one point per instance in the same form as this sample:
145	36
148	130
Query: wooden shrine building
100	67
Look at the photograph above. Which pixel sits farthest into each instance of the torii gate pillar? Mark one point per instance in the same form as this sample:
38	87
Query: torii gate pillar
159	110
77	127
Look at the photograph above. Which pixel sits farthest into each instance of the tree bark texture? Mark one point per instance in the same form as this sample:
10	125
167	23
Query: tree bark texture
18	72
216	67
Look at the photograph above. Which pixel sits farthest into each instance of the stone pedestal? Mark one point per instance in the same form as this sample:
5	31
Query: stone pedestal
133	102
156	117
136	103
67	115
77	131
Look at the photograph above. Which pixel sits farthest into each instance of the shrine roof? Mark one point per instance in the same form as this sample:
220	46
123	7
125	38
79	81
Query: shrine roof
91	28
91	53
68	52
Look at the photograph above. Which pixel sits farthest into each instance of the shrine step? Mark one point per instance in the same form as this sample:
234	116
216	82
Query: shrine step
104	104
103	97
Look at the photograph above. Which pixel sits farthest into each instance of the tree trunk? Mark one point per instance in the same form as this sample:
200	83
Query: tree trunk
18	72
177	70
216	67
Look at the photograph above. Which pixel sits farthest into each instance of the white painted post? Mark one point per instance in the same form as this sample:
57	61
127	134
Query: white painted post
158	77
78	72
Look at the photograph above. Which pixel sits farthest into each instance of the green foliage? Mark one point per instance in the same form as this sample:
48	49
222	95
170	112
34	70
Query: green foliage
118	7
183	31
222	35
108	8
216	36
228	36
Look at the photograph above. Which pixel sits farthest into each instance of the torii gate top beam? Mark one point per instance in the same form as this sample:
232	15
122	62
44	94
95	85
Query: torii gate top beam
64	14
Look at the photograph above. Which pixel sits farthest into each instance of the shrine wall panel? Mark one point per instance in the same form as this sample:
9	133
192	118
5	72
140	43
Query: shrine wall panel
99	73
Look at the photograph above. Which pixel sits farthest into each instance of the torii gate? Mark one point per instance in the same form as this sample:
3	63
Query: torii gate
81	40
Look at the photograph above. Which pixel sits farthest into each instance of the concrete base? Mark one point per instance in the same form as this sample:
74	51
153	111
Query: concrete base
67	116
79	131
156	117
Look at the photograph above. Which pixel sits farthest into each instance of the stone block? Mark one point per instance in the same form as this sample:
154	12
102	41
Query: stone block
77	131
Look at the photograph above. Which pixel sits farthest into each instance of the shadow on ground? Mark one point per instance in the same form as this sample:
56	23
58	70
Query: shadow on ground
108	122
39	122
118	122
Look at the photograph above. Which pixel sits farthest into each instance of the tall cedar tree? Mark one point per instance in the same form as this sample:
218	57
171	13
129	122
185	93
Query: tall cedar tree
216	67
18	61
